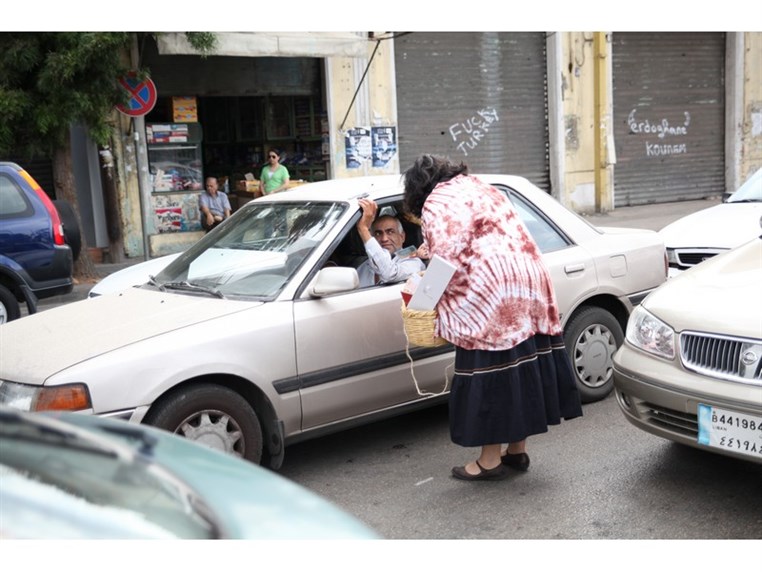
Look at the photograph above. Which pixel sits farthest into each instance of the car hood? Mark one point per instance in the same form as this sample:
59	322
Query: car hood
113	321
722	226
720	295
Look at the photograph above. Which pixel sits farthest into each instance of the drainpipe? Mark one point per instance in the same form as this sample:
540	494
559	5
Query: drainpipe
600	123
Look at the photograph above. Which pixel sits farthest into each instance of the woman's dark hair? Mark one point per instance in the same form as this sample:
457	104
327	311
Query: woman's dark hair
425	174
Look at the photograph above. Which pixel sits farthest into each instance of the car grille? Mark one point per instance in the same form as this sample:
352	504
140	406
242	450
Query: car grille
732	359
669	419
690	257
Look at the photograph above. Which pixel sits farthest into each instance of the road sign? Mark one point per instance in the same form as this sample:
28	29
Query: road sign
142	95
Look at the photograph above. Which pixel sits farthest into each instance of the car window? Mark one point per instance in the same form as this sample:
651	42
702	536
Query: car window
545	234
13	203
256	252
350	250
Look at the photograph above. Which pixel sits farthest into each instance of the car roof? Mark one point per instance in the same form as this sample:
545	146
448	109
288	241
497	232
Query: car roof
375	186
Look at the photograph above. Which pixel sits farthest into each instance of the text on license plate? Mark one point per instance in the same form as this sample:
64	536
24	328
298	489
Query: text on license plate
730	430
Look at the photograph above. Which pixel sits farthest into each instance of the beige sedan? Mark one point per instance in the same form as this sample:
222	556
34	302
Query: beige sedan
691	368
259	335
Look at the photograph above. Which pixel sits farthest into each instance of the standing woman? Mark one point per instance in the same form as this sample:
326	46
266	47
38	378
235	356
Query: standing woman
274	177
513	377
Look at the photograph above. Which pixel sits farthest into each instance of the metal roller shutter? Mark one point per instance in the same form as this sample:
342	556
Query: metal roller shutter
669	116
476	97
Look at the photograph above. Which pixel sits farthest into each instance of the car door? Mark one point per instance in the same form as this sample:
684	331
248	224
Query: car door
353	357
571	267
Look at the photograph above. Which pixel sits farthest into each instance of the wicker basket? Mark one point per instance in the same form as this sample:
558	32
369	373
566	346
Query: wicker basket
419	327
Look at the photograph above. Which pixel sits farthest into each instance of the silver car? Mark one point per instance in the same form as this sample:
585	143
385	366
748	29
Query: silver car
691	368
259	336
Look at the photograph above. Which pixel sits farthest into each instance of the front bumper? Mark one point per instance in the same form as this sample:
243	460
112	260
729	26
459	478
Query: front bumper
662	398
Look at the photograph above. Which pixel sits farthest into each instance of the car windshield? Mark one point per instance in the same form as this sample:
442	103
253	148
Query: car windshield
750	191
62	482
255	253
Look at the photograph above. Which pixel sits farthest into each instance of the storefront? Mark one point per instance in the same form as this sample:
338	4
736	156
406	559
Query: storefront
477	97
237	109
669	116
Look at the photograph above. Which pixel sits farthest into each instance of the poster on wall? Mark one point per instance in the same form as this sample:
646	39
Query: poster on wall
176	213
384	145
357	147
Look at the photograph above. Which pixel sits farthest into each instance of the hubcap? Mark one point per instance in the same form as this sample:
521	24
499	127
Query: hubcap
593	353
214	429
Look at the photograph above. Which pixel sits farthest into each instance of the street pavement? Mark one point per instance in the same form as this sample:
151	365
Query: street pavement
652	216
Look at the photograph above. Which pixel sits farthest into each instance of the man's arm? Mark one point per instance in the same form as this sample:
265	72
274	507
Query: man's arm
390	269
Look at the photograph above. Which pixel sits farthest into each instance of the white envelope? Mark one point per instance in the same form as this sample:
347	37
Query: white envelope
432	285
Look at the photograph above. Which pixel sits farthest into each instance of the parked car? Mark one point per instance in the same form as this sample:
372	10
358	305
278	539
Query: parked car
35	260
67	476
259	336
691	367
134	275
708	232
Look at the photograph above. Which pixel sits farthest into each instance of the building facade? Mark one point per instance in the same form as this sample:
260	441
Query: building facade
599	120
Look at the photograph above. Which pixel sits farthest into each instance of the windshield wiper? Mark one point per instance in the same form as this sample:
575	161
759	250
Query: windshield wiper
152	281
185	285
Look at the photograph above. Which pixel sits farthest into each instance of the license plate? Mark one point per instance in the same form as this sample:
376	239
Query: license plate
730	430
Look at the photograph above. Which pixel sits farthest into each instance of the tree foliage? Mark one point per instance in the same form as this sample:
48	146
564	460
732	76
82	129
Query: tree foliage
50	80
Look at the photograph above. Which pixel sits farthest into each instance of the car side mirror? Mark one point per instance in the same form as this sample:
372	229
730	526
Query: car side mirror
333	280
726	196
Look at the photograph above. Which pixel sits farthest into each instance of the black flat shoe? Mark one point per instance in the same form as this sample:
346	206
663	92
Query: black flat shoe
495	474
519	461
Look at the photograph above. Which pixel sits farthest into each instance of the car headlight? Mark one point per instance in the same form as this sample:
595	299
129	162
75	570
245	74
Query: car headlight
648	333
73	397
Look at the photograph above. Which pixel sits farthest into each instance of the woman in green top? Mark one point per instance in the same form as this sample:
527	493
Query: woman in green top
274	177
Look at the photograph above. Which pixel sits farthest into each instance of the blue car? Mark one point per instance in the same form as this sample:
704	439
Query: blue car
36	249
70	476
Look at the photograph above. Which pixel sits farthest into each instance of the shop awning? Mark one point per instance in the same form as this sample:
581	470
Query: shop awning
273	44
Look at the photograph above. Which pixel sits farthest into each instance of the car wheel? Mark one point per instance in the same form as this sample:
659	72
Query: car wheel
211	415
70	227
592	336
9	306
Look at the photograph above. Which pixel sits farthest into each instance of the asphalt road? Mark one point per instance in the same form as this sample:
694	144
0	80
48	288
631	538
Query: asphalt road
595	477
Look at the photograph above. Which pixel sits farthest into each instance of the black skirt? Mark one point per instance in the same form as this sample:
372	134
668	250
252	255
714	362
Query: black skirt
506	396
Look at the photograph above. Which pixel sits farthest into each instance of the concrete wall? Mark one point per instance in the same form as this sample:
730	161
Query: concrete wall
751	125
375	103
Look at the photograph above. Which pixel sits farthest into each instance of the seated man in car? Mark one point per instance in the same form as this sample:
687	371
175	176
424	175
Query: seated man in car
383	237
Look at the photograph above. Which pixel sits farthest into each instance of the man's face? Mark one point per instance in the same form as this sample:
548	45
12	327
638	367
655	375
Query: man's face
211	185
386	232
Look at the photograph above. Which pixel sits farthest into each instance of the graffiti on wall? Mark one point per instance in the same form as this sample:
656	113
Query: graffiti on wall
469	133
663	138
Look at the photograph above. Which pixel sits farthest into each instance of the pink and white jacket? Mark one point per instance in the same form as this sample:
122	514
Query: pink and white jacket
501	293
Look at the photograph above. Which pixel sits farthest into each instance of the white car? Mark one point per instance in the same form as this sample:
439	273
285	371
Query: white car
134	275
706	233
691	368
259	335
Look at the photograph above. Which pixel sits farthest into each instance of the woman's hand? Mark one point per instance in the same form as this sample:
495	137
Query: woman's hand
423	252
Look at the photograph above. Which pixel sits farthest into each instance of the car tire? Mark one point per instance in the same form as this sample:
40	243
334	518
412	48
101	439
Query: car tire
9	306
591	337
211	415
70	227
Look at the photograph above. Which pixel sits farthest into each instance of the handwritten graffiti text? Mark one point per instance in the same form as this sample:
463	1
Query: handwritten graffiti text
469	133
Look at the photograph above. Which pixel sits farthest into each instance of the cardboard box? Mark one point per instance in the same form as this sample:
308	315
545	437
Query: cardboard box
247	187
